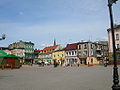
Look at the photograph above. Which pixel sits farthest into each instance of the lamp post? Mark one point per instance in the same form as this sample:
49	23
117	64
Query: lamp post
116	85
3	37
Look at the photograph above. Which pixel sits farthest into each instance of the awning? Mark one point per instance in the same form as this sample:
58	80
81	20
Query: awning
2	53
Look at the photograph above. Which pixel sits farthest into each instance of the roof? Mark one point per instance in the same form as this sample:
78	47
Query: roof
22	42
29	43
71	46
48	50
51	47
115	27
26	42
60	50
45	53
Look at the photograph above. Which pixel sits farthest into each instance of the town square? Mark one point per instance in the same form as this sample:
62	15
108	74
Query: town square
60	78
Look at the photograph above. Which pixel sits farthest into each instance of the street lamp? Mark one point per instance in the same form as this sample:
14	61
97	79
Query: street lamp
116	85
3	37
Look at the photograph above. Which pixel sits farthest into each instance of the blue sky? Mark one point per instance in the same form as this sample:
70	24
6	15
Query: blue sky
68	21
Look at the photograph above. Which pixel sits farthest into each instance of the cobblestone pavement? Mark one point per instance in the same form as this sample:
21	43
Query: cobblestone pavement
60	78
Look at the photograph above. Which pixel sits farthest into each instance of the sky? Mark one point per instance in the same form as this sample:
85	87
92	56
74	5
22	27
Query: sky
67	21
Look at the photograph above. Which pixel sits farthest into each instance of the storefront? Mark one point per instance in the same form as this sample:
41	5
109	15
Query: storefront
9	61
83	61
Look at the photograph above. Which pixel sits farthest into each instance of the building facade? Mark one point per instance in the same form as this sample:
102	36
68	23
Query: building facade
29	52
36	54
24	49
71	51
117	43
46	57
92	52
59	56
18	52
46	54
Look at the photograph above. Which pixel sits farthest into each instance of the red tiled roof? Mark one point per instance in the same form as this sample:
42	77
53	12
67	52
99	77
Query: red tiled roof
51	47
71	46
45	53
47	50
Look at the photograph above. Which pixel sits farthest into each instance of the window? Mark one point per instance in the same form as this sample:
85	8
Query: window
91	46
117	36
92	61
72	52
69	53
91	52
96	46
117	46
75	52
85	46
85	52
75	60
79	46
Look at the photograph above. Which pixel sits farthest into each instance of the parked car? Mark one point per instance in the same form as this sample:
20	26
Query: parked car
46	63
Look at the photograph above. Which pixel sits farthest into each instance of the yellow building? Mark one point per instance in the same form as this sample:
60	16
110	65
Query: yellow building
92	60
59	56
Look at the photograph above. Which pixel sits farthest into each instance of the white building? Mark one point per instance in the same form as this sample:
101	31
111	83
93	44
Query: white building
117	38
71	53
117	42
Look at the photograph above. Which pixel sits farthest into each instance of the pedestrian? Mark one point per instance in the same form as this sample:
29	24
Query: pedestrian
78	64
42	63
55	63
88	64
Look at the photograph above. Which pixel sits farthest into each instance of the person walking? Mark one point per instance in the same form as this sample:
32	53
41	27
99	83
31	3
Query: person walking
88	64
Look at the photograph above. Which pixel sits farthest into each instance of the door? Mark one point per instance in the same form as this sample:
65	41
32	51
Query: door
10	62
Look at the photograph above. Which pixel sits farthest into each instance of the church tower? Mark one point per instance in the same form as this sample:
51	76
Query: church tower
54	42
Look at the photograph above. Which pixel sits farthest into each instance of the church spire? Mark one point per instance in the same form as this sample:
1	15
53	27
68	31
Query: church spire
54	42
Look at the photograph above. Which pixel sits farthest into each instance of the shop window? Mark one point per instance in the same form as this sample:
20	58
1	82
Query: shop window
92	61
